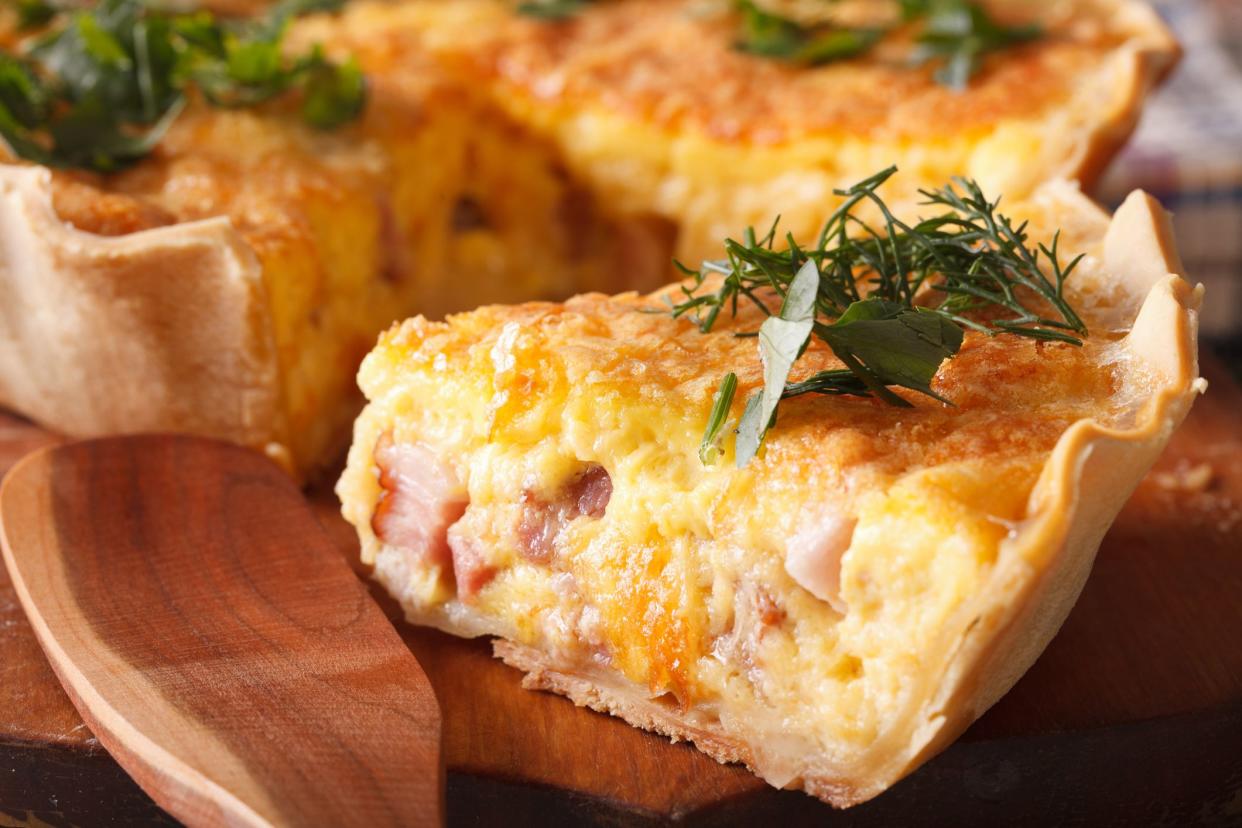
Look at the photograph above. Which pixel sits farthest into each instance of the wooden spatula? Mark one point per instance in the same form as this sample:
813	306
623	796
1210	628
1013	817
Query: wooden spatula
215	640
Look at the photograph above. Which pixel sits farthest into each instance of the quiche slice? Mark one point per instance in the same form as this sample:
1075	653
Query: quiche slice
229	283
833	612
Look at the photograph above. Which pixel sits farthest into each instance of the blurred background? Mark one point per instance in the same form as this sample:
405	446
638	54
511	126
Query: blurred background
1188	153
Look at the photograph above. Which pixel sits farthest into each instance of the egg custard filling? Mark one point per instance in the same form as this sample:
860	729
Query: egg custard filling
833	610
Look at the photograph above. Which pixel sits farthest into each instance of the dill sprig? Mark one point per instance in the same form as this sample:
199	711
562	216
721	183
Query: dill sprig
957	34
98	87
892	301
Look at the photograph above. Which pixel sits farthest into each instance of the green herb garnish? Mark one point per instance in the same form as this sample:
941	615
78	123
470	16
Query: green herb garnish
721	403
33	13
100	87
856	290
552	9
773	36
956	36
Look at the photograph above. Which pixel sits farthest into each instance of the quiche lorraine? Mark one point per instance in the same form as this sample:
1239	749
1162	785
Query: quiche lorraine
228	283
834	611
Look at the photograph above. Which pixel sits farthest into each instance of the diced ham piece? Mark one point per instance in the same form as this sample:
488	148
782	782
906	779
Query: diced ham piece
537	528
470	567
813	556
422	498
541	521
591	492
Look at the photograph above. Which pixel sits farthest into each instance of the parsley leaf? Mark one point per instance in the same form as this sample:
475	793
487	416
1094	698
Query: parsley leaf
552	9
23	106
782	340
101	86
886	343
955	34
770	35
33	13
334	94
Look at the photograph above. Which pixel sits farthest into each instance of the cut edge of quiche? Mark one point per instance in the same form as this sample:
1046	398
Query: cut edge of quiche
659	591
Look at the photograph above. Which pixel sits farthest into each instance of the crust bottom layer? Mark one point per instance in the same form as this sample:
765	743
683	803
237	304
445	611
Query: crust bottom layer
606	692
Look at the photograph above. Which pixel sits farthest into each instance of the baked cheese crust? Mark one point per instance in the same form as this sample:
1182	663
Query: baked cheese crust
649	102
499	159
837	610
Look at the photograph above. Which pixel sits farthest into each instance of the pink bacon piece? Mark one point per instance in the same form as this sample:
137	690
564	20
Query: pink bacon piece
422	501
542	521
422	498
813	555
470	567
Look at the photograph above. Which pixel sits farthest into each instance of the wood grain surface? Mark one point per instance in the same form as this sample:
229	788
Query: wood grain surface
1132	716
212	637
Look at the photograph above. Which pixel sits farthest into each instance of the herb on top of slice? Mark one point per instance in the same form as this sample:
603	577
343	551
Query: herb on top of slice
957	34
892	302
99	87
33	13
552	9
770	35
953	34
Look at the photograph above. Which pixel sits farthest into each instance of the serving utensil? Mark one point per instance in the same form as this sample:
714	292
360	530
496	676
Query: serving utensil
214	638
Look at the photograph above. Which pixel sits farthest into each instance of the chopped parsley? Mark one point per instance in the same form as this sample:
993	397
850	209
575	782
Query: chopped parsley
97	88
953	35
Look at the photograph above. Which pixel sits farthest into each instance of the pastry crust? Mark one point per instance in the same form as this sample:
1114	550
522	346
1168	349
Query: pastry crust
989	638
163	328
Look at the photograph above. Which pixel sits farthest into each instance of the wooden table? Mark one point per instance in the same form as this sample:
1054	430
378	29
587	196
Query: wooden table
1133	715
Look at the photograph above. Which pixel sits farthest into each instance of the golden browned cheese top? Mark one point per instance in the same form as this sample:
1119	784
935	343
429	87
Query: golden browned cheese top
631	388
665	63
1012	397
673	63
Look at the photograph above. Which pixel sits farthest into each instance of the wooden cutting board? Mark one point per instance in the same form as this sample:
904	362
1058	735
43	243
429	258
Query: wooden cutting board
1133	715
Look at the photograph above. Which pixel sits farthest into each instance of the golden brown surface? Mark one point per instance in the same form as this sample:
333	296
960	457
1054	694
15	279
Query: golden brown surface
649	104
671	63
1011	395
429	203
